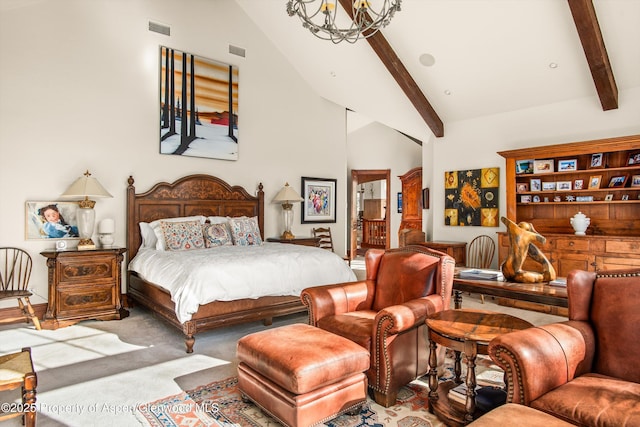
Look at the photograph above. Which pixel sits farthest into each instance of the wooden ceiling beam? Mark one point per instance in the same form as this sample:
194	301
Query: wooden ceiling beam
387	55
584	16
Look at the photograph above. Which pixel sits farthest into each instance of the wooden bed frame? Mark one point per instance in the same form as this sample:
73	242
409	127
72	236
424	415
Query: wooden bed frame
198	195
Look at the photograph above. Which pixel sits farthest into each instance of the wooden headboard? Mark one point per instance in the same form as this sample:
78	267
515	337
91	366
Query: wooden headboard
191	195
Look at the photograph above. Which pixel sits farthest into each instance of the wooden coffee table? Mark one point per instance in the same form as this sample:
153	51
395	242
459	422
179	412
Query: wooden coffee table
467	331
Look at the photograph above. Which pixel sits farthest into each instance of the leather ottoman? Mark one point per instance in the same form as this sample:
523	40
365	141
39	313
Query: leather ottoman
512	414
302	375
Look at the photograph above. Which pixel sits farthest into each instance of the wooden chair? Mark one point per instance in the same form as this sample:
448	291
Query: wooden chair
15	271
480	253
326	241
16	371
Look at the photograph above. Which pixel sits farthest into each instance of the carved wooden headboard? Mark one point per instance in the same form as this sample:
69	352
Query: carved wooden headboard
191	195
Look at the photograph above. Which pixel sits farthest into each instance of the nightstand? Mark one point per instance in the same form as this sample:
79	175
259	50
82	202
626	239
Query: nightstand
303	241
83	285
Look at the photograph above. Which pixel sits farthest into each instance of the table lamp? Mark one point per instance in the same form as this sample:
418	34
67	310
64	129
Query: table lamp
86	186
287	196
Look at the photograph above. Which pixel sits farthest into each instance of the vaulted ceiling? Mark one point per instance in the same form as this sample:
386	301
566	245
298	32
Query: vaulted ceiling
447	60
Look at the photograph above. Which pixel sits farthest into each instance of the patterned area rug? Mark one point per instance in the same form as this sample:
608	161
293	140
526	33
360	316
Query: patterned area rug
220	404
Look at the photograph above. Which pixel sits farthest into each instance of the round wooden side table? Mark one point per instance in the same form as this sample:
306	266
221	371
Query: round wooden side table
469	332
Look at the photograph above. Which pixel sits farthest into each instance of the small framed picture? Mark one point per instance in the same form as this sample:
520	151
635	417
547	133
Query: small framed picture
633	159
525	198
564	186
567	165
536	199
524	166
608	197
625	197
523	187
548	186
635	181
618	181
578	184
543	166
536	184
597	161
594	182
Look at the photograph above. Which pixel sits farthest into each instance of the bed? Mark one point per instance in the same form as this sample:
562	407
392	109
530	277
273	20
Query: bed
210	197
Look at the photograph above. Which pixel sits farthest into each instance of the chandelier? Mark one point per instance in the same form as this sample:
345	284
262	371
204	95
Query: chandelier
367	17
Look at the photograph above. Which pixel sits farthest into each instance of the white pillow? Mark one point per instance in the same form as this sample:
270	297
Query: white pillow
149	238
157	229
217	219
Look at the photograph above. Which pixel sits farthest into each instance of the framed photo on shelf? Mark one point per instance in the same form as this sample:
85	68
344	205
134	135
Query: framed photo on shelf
319	200
597	161
548	186
543	166
567	165
536	184
536	199
608	197
564	186
525	199
524	166
578	184
635	181
618	181
633	159
522	187
594	182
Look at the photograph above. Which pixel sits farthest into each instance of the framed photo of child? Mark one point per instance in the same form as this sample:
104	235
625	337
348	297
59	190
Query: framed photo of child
51	220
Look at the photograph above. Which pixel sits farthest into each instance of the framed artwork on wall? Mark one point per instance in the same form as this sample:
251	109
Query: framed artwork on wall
399	202
51	220
319	200
471	197
198	113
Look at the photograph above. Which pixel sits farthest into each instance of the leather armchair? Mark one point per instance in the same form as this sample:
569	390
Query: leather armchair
386	312
585	370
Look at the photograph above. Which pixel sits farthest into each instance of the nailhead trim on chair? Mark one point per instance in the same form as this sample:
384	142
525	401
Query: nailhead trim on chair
510	380
387	364
306	301
637	274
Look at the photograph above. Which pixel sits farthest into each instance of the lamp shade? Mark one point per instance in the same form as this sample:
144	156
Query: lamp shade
86	186
287	195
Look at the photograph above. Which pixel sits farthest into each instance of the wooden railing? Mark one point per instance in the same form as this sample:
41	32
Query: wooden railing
374	233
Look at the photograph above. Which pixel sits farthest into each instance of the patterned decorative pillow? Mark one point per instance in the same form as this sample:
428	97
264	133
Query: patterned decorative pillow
245	231
216	235
157	229
182	236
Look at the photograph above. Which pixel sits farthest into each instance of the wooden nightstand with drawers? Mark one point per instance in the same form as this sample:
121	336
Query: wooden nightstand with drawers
83	285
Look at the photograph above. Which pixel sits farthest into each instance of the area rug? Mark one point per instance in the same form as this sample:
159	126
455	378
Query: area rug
219	404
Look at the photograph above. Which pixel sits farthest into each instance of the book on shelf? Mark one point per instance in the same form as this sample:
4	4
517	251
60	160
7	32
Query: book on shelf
559	281
490	377
479	273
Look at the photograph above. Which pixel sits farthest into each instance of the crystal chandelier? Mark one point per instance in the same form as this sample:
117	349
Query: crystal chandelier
367	17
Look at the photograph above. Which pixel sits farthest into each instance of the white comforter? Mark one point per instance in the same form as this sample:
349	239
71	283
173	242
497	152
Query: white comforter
229	273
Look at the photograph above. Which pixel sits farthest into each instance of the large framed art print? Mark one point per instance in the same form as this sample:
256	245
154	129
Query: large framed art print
319	200
198	106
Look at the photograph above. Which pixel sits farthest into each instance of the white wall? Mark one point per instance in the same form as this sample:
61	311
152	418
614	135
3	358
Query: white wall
376	146
79	90
473	144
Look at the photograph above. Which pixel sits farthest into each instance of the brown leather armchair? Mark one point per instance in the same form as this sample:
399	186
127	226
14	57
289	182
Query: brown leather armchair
386	313
584	371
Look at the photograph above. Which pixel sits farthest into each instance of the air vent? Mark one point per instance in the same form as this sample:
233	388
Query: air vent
159	28
236	50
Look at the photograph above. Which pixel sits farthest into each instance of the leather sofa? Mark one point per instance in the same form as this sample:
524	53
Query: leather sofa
586	370
386	312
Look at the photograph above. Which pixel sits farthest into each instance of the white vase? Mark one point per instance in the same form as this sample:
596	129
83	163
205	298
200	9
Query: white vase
580	222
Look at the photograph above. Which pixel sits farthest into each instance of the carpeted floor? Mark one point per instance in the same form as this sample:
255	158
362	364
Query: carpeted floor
99	373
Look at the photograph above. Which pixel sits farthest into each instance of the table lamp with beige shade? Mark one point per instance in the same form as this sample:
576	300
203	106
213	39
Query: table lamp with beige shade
86	186
287	196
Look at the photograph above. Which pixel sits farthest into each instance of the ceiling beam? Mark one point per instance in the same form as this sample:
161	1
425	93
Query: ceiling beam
584	16
411	89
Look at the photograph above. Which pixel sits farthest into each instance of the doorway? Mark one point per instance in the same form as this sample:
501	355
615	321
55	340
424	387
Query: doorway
369	232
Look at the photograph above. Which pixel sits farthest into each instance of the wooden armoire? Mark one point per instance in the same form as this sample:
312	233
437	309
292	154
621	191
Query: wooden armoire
411	200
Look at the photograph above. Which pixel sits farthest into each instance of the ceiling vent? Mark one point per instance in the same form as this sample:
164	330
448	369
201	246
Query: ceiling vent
159	28
236	50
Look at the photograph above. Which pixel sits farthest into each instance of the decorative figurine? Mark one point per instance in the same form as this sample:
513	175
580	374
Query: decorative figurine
521	238
580	222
